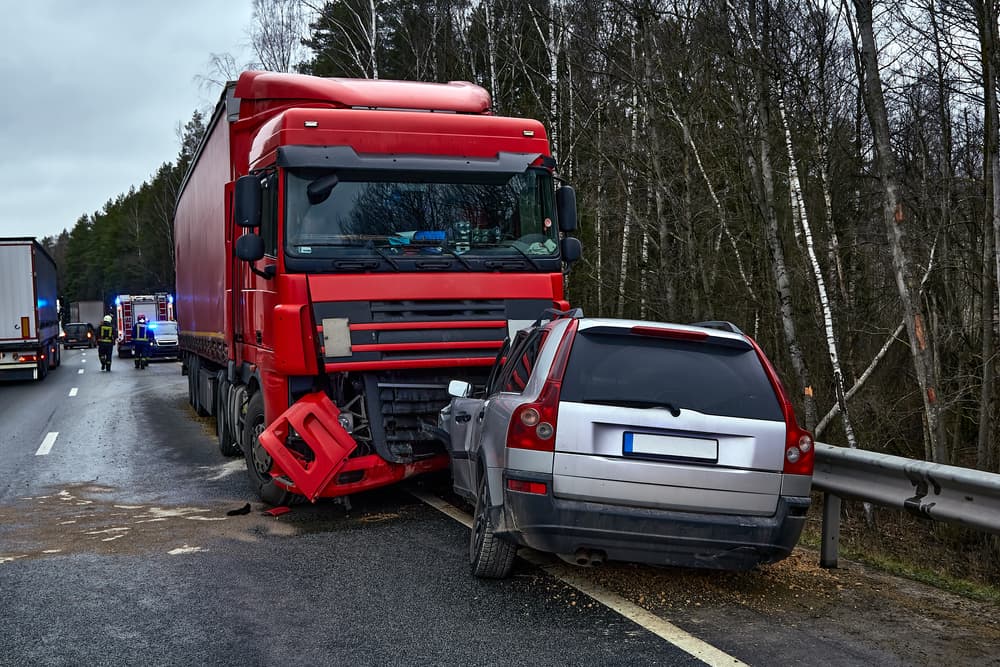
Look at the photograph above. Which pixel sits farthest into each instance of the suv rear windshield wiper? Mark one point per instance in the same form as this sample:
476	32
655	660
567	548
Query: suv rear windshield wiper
630	403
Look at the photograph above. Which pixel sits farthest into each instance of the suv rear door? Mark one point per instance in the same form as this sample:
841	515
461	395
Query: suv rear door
668	418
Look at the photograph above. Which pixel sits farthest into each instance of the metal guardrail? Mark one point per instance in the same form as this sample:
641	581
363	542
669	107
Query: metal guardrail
929	490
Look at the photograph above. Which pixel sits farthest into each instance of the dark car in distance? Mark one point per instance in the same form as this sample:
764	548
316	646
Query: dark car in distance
78	334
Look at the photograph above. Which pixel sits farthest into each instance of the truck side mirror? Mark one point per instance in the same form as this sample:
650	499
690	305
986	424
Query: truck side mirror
566	206
572	249
250	247
247	202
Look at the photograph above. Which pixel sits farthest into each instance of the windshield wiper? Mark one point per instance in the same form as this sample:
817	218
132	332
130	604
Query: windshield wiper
628	403
383	254
454	253
528	257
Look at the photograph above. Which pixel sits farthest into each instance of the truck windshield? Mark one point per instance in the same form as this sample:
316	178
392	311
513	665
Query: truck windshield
403	216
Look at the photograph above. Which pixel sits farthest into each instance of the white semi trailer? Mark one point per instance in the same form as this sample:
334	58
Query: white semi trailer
29	316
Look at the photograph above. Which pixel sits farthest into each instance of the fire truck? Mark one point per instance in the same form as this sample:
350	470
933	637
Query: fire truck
128	307
346	247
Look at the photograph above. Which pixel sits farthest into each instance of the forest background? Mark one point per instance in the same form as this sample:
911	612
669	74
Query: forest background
822	173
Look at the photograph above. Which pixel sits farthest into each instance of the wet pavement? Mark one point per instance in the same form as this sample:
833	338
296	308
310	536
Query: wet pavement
117	546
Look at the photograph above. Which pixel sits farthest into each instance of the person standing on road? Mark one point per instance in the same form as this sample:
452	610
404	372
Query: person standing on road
142	335
105	342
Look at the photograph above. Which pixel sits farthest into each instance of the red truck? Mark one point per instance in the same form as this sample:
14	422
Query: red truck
344	248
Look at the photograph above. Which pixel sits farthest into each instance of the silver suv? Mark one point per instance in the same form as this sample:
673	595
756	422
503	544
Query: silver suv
600	439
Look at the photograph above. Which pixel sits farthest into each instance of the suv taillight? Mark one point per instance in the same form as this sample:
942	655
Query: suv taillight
798	450
799	447
533	425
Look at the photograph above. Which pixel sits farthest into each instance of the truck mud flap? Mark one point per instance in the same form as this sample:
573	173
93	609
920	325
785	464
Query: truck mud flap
314	418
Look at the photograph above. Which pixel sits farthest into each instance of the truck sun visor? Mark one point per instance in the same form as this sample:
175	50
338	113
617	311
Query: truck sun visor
344	157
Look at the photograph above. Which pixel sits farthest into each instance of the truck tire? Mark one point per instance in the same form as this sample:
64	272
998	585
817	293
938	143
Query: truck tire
258	461
490	556
223	429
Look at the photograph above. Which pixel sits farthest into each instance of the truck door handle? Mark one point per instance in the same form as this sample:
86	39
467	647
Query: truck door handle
462	417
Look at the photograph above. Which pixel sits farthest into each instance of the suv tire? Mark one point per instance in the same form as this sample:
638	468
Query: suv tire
490	556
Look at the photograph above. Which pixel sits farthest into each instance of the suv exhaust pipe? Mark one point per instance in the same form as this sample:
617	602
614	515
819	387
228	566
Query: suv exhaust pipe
589	557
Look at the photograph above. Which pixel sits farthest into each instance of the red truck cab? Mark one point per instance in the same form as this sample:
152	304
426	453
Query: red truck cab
343	246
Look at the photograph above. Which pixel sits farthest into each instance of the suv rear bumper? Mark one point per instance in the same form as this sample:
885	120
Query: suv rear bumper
683	539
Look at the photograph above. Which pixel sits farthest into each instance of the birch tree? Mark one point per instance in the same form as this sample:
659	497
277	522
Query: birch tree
894	218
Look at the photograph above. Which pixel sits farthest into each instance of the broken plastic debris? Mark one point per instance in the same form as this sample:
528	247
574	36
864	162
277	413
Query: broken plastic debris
278	511
242	510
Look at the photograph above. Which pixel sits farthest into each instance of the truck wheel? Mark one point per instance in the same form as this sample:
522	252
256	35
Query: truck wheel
490	556
43	368
258	460
223	429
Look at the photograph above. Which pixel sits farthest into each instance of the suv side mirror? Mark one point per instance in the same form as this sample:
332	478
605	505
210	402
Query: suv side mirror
566	207
572	249
459	389
250	247
246	202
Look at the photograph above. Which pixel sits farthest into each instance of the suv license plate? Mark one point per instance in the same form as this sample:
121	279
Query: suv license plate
646	444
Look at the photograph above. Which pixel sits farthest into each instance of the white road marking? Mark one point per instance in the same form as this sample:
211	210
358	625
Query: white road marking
46	446
225	470
73	391
184	550
80	372
633	612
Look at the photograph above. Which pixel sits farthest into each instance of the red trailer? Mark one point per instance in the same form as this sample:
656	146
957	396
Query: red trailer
344	248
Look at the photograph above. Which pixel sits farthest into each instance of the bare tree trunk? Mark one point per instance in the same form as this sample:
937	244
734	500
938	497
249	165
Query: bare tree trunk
629	208
894	217
987	25
689	140
599	214
491	53
373	38
764	184
799	212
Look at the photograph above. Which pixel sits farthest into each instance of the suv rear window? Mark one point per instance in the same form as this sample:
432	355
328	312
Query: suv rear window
635	370
76	329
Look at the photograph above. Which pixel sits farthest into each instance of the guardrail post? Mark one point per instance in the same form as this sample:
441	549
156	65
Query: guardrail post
831	531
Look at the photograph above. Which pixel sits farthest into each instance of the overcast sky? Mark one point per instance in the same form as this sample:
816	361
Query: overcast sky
91	94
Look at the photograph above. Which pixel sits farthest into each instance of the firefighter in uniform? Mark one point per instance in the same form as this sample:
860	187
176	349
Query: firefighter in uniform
142	335
105	342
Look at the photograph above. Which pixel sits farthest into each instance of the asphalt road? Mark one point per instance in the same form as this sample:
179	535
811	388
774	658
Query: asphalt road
116	548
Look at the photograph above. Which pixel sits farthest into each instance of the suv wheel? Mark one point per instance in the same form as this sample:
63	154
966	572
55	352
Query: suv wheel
490	556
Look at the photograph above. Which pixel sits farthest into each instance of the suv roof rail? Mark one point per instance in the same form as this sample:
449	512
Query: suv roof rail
721	325
575	313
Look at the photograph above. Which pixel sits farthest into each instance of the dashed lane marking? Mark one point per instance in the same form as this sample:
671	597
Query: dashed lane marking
73	392
46	446
80	372
633	612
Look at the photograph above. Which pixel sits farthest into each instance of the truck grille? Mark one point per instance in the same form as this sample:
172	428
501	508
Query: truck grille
427	330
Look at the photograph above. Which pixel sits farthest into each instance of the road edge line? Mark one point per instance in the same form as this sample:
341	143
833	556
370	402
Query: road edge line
644	618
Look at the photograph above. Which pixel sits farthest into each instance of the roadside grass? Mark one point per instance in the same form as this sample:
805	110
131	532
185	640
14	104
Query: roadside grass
948	557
